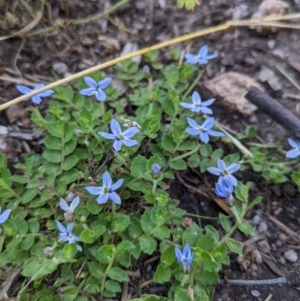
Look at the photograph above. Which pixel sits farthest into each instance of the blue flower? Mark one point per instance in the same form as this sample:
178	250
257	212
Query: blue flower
224	189
4	215
119	136
225	172
155	168
201	58
293	153
66	235
106	191
198	106
204	130
95	88
69	215
36	98
185	258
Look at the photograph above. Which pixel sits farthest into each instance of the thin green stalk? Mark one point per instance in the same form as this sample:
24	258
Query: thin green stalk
187	154
193	85
227	235
108	268
121	159
154	186
201	216
146	283
236	215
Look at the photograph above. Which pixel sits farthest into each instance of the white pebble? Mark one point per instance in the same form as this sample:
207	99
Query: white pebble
256	219
262	227
255	293
291	256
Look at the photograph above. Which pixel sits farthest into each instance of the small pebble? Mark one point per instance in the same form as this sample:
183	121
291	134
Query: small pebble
263	246
255	293
254	267
282	260
289	189
282	236
257	256
262	227
253	119
271	44
149	268
291	256
60	67
256	219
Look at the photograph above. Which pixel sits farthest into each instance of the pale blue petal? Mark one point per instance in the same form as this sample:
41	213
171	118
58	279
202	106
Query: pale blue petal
61	228
115	127
117	185
293	143
63	204
215	133
205	110
129	142
221	165
233	167
203	61
208	123
100	95
214	170
130	132
74	203
102	199
117	145
204	137
104	83
46	93
79	248
23	89
220	190
192	123
191	58
196	98
192	132
106	180
74	238
211	56
292	154
94	190
63	236
36	99
107	135
178	254
115	198
87	92
186	105
231	179
203	51
90	82
4	216
70	228
186	251
38	86
208	102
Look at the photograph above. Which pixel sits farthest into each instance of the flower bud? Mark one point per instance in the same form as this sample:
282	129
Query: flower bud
48	252
83	219
78	133
155	168
281	166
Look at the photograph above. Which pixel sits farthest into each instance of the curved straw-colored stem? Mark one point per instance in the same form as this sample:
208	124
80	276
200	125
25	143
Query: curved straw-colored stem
266	22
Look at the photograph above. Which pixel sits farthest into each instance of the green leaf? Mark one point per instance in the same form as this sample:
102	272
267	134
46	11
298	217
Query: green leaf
162	274
69	162
178	165
242	191
27	242
105	253
138	166
113	286
52	142
70	176
206	243
118	275
124	246
146	223
95	269
213	232
56	128
167	143
135	229
189	4
217	154
247	229
19	179
33	225
207	262
168	106
93	207
121	223
207	277
168	256
29	195
206	150
256	201
161	232
53	156
225	222
234	246
69	147
147	244
87	236
191	235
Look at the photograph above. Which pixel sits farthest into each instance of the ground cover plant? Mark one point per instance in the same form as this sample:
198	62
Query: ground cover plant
77	218
96	200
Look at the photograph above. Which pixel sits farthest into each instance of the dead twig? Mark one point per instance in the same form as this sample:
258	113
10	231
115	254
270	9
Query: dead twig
239	282
8	283
282	226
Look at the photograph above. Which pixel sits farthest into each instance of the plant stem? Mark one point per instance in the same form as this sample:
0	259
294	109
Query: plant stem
187	154
154	186
192	86
236	215
148	282
121	159
227	235
105	274
201	216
